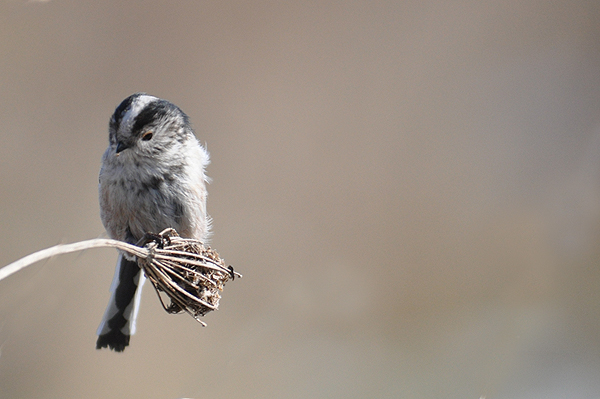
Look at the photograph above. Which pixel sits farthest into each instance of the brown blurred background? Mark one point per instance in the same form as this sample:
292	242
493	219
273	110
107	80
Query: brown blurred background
410	188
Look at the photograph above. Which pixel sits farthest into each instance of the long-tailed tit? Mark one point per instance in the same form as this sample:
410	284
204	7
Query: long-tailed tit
152	177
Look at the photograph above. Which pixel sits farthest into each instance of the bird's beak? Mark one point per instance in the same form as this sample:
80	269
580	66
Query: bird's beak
121	146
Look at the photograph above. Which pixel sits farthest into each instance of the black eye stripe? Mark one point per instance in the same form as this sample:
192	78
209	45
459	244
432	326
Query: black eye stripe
153	112
122	109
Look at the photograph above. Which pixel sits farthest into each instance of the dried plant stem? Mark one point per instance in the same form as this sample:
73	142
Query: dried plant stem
191	274
68	248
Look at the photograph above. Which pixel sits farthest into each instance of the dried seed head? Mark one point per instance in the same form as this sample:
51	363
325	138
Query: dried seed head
188	273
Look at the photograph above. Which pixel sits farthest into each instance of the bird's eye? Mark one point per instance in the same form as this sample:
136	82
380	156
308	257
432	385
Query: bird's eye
147	136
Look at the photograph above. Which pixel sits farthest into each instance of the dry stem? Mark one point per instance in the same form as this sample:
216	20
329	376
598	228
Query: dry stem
189	273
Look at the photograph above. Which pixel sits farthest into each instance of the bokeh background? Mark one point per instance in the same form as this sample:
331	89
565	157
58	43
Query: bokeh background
410	188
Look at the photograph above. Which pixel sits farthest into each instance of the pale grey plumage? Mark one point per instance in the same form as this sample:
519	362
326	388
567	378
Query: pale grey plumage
152	177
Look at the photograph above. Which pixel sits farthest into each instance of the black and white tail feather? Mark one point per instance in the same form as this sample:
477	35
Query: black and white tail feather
119	320
152	178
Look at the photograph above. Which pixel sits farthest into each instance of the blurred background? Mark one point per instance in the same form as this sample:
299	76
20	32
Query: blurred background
411	190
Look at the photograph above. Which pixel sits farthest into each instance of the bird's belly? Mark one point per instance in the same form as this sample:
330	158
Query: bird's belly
128	214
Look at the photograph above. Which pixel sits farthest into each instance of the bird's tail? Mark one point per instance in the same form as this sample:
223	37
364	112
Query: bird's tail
118	323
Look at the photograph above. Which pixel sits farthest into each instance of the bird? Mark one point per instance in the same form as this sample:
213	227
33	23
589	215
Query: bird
153	177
